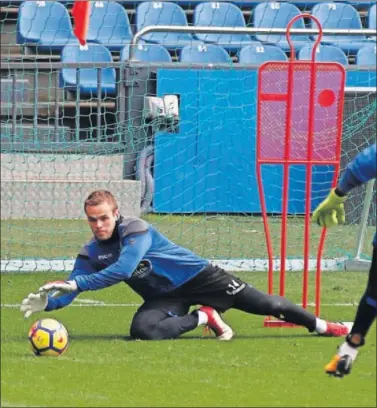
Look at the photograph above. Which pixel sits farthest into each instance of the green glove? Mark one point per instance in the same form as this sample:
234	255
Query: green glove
331	211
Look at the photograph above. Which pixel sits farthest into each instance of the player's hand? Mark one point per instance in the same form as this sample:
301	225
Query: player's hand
34	302
59	287
331	211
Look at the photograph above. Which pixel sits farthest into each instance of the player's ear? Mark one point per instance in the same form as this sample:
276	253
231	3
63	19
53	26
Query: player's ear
117	215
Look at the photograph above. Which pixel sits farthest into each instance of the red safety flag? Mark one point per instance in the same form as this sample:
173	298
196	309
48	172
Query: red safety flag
81	13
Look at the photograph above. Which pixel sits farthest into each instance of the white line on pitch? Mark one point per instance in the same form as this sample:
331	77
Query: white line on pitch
89	301
6	305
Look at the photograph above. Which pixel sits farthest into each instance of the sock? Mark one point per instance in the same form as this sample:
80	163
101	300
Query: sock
347	349
202	318
320	326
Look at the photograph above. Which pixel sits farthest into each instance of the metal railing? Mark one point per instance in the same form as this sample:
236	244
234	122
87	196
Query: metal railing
56	102
243	30
120	102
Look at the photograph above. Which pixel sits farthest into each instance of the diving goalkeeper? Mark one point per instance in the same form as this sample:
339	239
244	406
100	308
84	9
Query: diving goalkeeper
168	277
329	213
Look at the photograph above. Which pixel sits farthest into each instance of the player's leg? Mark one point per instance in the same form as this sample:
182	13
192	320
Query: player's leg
163	319
251	300
341	363
216	288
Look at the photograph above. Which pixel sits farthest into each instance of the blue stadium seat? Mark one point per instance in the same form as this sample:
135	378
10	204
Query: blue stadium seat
329	53
372	18
251	3
109	25
278	15
163	13
259	53
204	53
88	76
344	16
147	53
215	14
366	56
45	24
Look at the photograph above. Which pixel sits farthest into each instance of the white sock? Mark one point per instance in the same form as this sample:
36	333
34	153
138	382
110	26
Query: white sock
320	326
346	349
202	318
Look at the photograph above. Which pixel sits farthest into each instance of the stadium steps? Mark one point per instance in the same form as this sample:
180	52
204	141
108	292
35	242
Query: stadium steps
55	185
47	109
25	133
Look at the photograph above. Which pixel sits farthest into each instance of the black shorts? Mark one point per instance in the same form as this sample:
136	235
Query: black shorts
211	287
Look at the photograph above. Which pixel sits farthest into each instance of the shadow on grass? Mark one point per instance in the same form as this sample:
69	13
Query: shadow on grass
112	337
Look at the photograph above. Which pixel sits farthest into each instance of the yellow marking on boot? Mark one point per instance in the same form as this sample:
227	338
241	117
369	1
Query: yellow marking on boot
331	366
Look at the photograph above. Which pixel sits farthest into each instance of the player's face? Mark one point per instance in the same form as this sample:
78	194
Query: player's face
102	219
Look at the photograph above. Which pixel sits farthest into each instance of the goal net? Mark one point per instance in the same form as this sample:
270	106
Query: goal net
191	175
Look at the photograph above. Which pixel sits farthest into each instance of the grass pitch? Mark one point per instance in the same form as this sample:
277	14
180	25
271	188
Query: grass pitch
271	367
213	237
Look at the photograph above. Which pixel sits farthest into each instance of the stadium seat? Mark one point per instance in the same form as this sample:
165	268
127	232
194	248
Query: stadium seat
88	76
204	53
109	25
329	53
147	53
340	16
366	56
216	14
372	23
278	15
163	13
45	24
259	53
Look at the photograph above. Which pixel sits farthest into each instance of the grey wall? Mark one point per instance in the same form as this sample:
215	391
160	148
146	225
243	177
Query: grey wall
55	186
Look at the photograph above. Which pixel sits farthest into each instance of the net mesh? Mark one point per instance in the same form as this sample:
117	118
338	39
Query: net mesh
194	178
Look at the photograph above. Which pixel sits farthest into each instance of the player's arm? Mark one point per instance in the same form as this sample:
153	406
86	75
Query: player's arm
36	302
362	169
134	248
82	267
359	171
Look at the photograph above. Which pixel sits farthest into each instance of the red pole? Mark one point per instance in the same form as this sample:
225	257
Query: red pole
308	185
262	199
334	182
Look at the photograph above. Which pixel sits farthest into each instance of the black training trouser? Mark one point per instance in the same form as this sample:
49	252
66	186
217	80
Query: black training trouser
367	309
167	317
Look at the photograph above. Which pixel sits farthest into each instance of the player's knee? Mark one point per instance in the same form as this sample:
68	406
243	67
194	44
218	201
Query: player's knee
139	331
142	329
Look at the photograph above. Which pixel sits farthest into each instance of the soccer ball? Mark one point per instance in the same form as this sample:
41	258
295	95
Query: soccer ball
48	337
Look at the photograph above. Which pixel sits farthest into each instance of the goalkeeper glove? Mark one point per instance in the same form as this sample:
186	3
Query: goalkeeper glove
34	302
61	287
331	211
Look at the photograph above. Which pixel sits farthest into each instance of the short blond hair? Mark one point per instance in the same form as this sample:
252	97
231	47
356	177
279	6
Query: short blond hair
99	197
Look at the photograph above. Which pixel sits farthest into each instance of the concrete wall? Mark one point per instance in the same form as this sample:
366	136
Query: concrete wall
61	167
55	186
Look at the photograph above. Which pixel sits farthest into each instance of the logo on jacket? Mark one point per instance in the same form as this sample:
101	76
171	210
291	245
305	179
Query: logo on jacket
143	269
105	256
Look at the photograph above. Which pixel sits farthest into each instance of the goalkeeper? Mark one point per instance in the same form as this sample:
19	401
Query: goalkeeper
168	277
329	213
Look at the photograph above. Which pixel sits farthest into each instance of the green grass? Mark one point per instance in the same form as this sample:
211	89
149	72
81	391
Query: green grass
103	368
214	237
